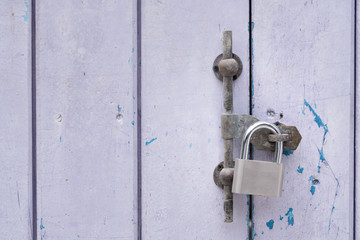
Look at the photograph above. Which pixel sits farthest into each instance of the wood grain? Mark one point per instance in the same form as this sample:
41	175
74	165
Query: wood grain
181	109
86	120
15	138
303	71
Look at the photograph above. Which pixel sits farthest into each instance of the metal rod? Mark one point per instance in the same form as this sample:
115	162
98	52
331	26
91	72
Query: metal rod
228	108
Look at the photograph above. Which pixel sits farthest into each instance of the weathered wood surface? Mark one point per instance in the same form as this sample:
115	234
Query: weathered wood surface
303	71
181	108
15	138
86	113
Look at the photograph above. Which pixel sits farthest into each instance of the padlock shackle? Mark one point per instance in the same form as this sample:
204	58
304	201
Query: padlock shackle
245	143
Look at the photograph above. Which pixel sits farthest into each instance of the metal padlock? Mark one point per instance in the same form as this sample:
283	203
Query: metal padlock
256	177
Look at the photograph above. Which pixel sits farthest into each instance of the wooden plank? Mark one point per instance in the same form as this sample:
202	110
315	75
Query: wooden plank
15	140
303	72
181	108
86	119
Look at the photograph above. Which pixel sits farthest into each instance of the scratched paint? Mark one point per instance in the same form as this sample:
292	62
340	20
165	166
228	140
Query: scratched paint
152	140
320	123
270	224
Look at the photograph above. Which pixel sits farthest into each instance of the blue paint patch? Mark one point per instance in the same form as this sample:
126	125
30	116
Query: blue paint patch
119	108
288	152
84	73
26	15
290	216
322	156
147	143
281	218
132	123
300	169
262	232
270	224
60	138
41	224
312	189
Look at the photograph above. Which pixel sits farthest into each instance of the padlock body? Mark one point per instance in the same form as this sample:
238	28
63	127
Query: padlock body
258	178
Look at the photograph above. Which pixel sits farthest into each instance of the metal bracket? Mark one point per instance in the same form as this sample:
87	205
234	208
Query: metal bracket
217	70
228	67
234	126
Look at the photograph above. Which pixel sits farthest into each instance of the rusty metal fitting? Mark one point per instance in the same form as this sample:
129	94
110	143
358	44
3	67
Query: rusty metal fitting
226	176
228	67
279	137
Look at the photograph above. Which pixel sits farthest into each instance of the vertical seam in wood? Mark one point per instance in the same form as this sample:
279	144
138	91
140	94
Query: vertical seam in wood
138	96
355	122
251	91
33	121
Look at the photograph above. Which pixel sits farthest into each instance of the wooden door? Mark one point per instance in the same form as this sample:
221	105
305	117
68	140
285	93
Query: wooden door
111	117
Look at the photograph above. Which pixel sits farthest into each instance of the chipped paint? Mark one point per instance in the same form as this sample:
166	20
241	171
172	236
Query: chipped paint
288	152
312	189
270	224
290	216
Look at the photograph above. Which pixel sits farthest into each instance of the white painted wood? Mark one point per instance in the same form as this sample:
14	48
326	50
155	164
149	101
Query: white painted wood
181	108
303	68
86	112
357	147
15	118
